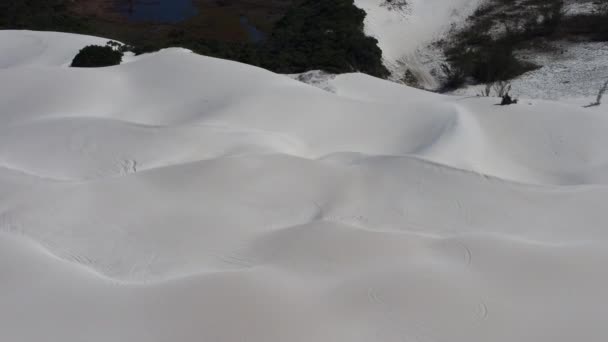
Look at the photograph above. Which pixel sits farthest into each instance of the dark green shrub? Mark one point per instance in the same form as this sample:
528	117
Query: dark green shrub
476	56
326	35
490	63
593	25
94	56
497	63
315	34
455	77
43	15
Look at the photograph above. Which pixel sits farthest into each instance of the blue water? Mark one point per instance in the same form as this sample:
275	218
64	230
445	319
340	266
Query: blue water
255	35
163	11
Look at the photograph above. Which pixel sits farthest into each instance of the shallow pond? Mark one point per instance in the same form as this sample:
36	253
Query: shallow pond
255	35
165	11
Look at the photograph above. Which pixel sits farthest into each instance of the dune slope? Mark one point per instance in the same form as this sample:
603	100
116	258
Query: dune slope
178	197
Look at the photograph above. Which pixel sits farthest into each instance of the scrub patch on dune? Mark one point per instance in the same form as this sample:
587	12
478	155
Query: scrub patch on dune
487	48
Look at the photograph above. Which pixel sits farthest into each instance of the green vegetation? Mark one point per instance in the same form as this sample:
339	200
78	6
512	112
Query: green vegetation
43	15
492	61
326	35
486	51
95	56
313	35
594	25
309	34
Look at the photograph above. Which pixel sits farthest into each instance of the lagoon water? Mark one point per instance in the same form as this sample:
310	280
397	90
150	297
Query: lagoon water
255	35
167	11
174	11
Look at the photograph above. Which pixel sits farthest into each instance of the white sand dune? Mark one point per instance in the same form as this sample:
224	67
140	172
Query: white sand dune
178	197
401	30
405	30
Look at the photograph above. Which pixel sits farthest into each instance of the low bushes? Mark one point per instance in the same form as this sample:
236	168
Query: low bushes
94	56
51	15
485	51
314	35
326	35
594	26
